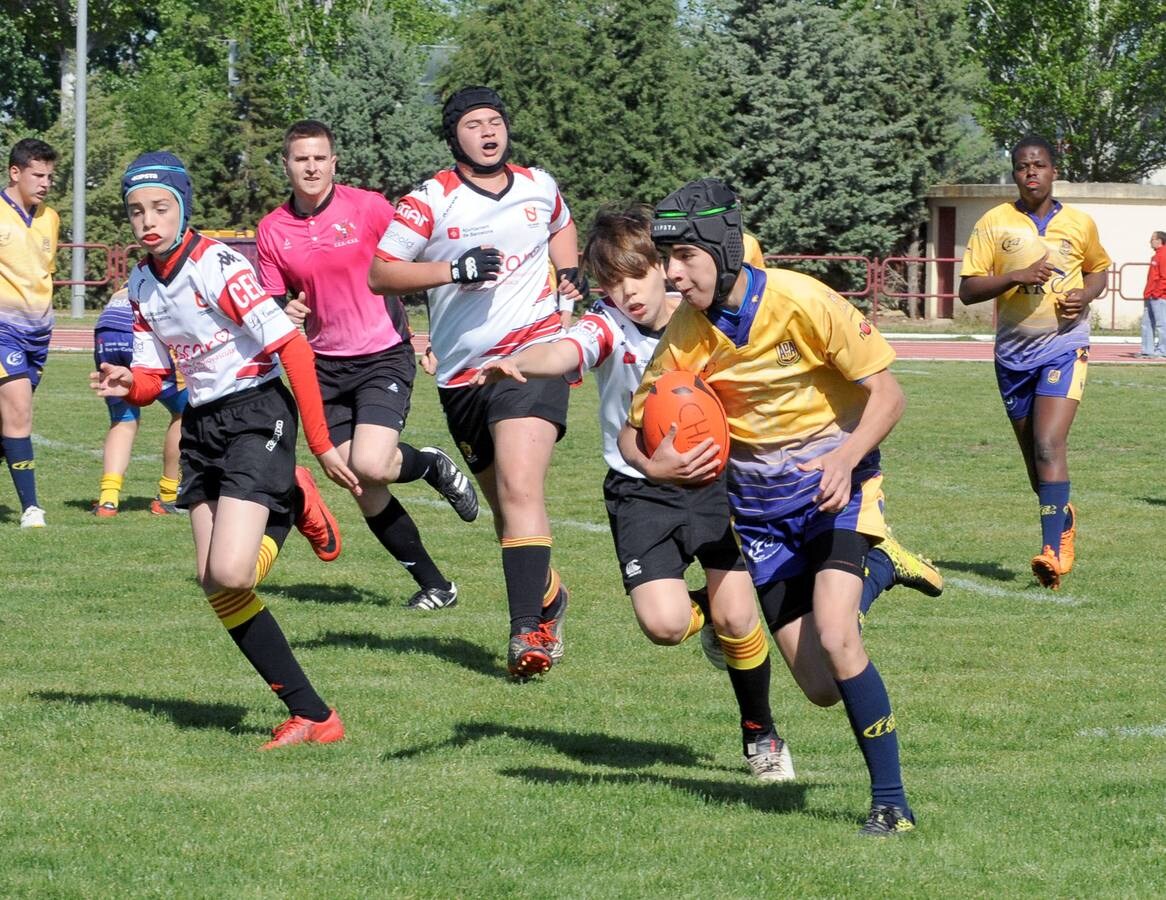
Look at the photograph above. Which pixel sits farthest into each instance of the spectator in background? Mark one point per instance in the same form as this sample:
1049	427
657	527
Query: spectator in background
28	247
1154	315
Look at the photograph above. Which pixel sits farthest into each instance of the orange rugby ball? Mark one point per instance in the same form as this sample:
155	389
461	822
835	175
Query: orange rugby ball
681	397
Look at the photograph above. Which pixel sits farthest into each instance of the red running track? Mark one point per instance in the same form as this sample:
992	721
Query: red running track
906	348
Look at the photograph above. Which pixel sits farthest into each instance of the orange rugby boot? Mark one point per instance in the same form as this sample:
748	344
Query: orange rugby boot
1047	568
315	521
298	730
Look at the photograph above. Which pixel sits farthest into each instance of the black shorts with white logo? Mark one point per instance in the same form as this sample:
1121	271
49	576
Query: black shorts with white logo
659	529
242	446
469	412
375	389
788	599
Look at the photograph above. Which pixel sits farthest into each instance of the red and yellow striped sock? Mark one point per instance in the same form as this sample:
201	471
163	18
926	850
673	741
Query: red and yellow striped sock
554	582
235	607
695	624
268	551
747	652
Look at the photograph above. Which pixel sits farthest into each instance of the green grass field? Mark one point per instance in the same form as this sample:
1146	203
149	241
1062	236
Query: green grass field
1032	723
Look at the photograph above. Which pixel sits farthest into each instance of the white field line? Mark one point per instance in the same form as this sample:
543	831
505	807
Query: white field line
1125	731
990	590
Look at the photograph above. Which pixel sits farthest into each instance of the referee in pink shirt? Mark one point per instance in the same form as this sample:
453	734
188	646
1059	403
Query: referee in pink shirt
314	254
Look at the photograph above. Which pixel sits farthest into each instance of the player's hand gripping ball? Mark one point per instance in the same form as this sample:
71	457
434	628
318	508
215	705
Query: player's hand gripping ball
681	397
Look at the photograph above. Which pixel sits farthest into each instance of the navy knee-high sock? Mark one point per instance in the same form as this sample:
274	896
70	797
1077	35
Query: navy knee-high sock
1054	506
879	577
869	709
22	466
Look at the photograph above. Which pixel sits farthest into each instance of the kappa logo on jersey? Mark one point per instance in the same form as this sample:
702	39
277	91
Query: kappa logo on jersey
453	233
632	569
787	353
226	259
878	728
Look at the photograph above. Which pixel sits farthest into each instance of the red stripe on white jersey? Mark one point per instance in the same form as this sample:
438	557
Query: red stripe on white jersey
516	338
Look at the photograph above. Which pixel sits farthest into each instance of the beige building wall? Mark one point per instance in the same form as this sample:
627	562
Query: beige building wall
1125	214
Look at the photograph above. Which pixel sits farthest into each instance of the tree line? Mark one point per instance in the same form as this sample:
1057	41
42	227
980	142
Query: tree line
831	117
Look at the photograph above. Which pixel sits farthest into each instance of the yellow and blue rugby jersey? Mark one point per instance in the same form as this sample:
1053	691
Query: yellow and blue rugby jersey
28	250
1029	332
786	367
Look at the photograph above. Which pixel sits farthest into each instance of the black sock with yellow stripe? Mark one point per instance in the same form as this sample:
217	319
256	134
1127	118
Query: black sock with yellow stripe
256	633
526	564
747	660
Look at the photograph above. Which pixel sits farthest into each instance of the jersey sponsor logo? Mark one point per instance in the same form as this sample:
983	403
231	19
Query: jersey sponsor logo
531	213
632	569
453	233
879	727
244	290
276	434
1066	247
787	353
186	352
414	215
200	300
629	357
864	329
1011	244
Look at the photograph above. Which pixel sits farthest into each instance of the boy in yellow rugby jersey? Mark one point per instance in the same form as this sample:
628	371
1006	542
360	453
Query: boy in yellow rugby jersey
805	383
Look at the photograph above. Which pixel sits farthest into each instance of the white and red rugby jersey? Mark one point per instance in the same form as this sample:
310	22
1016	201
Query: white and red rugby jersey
618	350
207	309
471	324
326	255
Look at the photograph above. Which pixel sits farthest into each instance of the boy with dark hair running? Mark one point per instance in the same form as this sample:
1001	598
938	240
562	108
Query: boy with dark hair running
314	253
1042	261
804	381
200	302
28	248
478	237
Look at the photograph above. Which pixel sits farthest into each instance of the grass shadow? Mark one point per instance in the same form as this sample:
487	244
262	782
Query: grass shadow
592	747
183	713
315	592
124	504
991	570
781	798
1153	501
8	514
458	651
